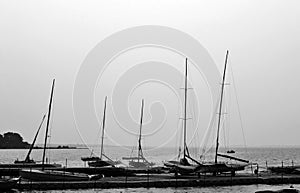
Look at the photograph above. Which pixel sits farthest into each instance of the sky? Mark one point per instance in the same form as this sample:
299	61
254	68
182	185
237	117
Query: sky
42	40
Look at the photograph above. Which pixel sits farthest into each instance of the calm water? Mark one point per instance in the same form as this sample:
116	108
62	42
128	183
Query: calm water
71	157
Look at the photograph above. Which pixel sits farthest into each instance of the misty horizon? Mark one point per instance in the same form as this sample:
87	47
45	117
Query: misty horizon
44	40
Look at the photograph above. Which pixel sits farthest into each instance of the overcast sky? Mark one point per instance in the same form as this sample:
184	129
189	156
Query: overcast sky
42	40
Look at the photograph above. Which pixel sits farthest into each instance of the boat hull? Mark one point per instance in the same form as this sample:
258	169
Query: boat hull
8	184
136	164
178	167
100	163
220	168
48	175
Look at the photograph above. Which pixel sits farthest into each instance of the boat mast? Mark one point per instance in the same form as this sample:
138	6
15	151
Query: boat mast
27	159
103	126
185	103
48	121
220	107
140	152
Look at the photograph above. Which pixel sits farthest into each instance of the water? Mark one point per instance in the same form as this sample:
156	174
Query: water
71	157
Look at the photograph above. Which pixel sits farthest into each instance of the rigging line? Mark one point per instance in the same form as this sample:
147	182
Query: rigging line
85	144
95	140
208	131
134	143
180	127
81	138
239	112
229	107
226	121
180	138
91	150
194	123
224	129
190	113
177	143
227	124
228	117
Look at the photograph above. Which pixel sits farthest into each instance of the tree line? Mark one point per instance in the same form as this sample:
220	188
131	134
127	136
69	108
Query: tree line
12	140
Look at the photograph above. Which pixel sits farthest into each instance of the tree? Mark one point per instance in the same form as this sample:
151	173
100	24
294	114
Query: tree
12	140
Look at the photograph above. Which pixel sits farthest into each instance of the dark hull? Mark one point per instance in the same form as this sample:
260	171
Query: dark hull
107	171
8	184
99	163
220	168
47	175
87	159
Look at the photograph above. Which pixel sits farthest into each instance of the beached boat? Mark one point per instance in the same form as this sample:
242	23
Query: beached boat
216	166
34	173
140	161
95	161
28	162
183	166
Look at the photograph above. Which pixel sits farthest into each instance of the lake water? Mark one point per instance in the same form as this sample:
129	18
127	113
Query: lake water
71	157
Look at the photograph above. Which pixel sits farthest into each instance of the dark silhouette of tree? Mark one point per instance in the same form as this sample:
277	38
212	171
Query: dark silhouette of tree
12	140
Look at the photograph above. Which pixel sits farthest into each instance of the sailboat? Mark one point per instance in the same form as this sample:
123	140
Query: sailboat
50	175
140	161
98	161
220	167
183	166
27	158
28	162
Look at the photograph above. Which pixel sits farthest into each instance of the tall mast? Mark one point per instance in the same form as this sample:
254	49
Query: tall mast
185	103
220	107
32	145
103	126
140	152
48	121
